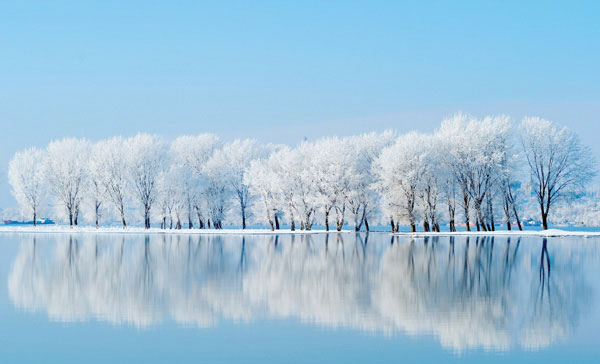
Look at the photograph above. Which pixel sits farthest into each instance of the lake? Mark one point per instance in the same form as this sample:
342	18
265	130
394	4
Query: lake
337	298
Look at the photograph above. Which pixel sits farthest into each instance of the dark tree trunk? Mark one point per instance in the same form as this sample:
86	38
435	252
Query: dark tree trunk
243	218
276	223
392	223
97	217
517	218
413	228
466	207
508	227
271	225
366	225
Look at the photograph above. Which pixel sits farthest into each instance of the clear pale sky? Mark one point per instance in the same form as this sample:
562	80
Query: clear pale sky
281	71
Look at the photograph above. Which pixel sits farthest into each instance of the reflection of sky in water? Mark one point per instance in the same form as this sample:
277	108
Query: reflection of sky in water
468	294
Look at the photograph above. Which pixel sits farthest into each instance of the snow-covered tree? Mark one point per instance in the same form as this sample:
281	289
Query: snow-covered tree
262	181
332	172
415	178
306	201
230	163
193	152
362	199
66	173
26	177
401	168
473	150
146	158
559	164
112	171
96	185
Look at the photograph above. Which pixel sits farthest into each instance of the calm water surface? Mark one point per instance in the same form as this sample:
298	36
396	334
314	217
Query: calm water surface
307	298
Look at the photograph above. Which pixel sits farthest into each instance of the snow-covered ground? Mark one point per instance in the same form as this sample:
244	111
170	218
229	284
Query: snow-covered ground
141	230
549	232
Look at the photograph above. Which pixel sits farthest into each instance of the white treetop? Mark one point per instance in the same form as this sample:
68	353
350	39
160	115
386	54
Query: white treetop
26	177
146	157
558	163
469	166
66	173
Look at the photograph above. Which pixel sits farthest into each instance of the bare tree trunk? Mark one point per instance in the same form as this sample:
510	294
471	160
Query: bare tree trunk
271	225
276	222
366	224
326	220
466	207
492	219
97	213
243	217
34	218
392	222
451	212
517	218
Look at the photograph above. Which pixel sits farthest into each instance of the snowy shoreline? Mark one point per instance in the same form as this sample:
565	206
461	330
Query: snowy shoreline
140	230
542	233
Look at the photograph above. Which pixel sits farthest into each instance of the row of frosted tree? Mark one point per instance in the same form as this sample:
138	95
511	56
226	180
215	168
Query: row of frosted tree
471	172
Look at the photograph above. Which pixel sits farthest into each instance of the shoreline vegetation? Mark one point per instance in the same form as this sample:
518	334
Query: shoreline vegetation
142	230
483	173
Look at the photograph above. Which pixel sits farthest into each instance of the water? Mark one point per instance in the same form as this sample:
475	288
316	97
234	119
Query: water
307	298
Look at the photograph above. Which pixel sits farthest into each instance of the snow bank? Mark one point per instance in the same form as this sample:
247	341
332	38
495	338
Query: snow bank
140	230
547	233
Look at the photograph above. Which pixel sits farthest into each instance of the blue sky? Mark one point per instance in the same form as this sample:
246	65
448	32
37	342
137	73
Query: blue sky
281	71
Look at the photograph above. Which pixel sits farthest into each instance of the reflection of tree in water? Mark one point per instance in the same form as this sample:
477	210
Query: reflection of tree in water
469	292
